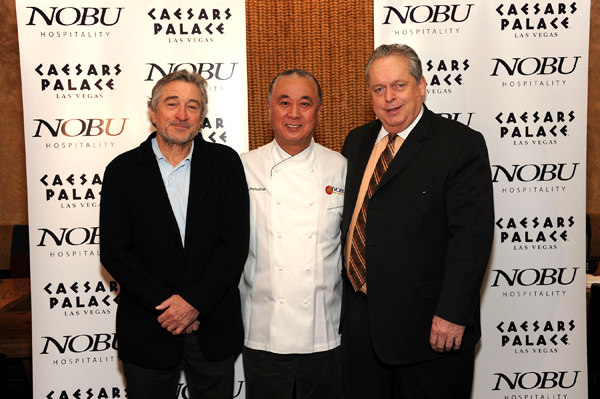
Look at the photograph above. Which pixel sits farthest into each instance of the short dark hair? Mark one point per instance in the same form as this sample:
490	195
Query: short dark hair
301	73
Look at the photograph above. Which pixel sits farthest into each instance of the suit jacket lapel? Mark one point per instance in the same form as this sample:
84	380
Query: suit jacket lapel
408	150
199	181
150	175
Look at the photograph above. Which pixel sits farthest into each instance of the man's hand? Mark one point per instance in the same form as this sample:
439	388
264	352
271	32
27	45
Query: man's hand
192	327
445	336
178	316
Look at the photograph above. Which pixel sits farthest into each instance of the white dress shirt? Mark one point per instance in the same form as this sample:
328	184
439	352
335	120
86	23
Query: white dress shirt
291	288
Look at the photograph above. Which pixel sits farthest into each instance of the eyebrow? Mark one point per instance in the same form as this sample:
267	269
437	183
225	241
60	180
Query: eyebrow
283	96
193	100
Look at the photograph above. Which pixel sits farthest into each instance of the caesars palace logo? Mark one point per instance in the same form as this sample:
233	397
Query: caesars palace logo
82	298
535	19
534	233
445	75
87	393
76	80
116	392
426	19
190	25
71	191
535	127
534	337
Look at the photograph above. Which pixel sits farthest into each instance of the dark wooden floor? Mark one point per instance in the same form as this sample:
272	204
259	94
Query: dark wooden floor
14	382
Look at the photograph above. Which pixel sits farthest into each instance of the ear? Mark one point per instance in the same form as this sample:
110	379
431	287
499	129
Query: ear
152	116
422	85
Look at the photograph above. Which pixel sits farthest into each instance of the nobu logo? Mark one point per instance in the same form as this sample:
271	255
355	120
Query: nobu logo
207	69
84	16
81	343
532	379
426	13
75	236
81	127
530	277
531	172
537	66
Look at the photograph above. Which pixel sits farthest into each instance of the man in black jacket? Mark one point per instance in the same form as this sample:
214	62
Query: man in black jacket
418	225
174	220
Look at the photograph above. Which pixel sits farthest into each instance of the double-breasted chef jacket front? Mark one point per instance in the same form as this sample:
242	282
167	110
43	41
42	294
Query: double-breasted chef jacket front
291	285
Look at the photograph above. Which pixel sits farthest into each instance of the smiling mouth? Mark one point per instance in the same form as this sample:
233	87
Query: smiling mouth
293	126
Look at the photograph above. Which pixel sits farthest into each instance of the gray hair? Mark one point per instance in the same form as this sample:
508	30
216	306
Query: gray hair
185	76
301	73
402	50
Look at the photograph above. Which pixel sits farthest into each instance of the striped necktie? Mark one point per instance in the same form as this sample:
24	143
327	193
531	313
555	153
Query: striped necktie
357	272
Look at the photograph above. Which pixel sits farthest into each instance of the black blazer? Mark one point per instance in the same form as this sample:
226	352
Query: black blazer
141	248
429	233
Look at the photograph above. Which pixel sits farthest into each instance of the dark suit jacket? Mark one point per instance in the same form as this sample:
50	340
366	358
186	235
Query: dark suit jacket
429	234
141	248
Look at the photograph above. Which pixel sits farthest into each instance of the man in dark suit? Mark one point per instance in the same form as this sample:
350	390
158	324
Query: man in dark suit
418	228
174	218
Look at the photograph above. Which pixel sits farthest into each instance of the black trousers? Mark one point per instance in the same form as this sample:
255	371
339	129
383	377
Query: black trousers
281	376
365	376
205	380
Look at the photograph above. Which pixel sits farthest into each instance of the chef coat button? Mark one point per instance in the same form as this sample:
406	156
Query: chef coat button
310	203
279	235
311	170
278	202
307	268
305	301
281	300
276	170
309	235
280	267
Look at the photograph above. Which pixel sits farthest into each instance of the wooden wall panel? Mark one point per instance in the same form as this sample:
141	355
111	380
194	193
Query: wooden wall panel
13	184
330	39
593	125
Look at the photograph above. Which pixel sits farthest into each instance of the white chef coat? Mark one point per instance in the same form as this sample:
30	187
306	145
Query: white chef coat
291	288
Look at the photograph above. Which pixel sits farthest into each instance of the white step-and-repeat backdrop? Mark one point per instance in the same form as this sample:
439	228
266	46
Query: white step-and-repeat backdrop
517	72
87	70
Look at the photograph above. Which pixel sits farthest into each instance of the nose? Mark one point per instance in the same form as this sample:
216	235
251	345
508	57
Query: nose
181	113
294	111
390	95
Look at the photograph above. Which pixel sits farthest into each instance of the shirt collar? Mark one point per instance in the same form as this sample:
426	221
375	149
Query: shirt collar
160	156
280	155
404	134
